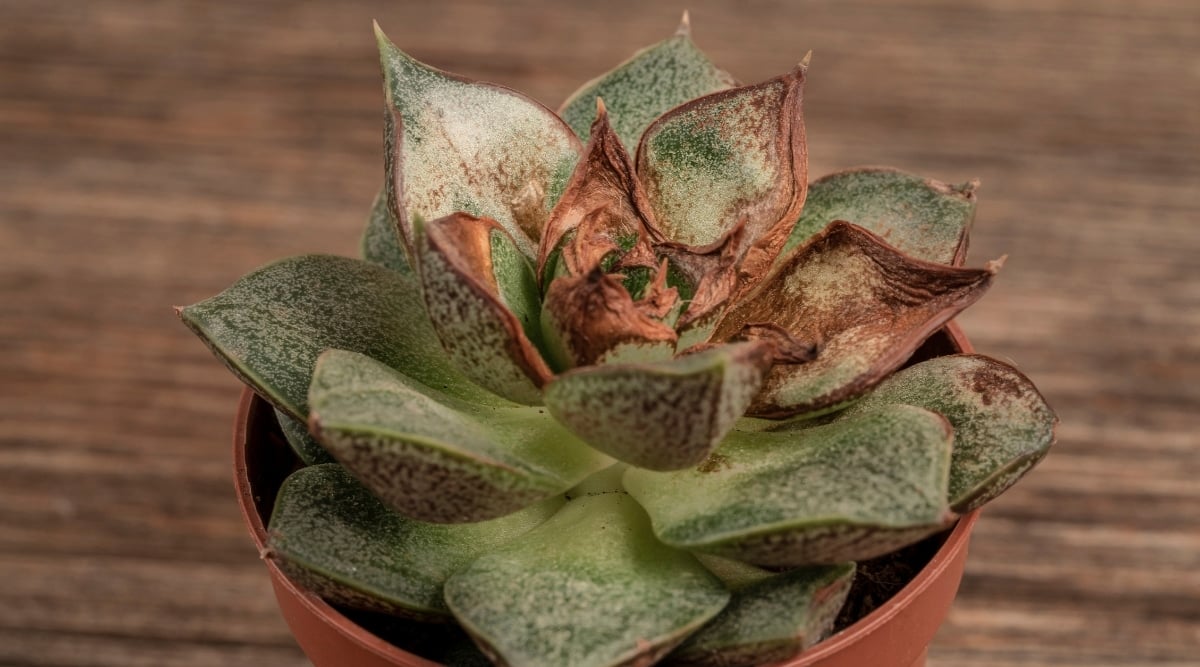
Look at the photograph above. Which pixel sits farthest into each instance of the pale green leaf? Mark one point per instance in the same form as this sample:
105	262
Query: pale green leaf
770	620
381	242
433	457
1002	425
921	217
864	307
591	587
639	90
301	441
459	145
845	491
328	532
662	415
270	326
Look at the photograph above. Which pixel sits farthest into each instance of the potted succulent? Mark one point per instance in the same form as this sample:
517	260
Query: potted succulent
618	386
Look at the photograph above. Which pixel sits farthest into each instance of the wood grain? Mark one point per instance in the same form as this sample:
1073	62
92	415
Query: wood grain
152	152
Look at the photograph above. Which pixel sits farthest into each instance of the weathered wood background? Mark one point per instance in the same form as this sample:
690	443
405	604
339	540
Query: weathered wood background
152	152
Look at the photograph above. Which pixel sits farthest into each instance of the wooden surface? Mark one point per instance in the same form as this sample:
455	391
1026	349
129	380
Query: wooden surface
152	152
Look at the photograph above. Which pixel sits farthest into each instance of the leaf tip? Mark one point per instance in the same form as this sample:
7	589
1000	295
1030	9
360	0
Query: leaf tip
685	25
993	267
802	66
601	110
178	311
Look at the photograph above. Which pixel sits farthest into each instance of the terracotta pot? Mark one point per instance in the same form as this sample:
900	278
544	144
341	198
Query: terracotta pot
897	634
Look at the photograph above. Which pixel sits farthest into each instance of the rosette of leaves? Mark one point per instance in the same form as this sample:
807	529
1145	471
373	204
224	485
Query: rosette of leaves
618	384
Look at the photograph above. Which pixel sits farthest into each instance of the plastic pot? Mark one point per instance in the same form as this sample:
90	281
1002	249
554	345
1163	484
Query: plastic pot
897	634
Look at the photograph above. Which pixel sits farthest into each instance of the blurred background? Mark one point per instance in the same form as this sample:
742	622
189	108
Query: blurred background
152	152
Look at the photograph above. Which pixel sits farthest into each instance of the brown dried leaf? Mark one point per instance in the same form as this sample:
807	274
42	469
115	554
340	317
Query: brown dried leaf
866	307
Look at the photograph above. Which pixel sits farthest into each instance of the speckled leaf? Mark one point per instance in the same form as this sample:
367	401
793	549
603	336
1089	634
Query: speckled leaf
1002	425
436	458
921	217
483	302
270	326
460	145
844	491
302	443
733	157
654	80
381	243
328	532
603	211
771	620
591	587
665	415
863	305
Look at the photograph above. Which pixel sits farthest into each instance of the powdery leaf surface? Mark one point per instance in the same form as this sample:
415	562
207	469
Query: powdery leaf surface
591	587
329	532
921	217
662	415
863	305
270	326
845	491
437	458
1002	425
381	242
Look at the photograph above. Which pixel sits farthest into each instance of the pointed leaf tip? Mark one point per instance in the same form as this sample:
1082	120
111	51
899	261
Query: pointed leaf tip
685	25
803	64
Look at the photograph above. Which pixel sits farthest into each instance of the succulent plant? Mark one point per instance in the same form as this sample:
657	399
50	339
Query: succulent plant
618	385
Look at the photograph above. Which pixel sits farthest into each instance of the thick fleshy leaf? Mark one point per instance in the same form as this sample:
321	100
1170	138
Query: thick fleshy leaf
602	212
921	217
460	145
436	458
733	157
270	326
654	80
591	587
328	532
302	443
863	305
771	620
665	415
849	490
591	319
483	301
1002	425
381	242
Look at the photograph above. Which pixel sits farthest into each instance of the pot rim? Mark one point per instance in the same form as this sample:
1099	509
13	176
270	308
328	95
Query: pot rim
864	627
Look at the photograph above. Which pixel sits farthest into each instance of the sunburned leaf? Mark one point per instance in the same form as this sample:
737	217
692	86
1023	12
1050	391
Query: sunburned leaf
733	157
329	533
459	145
1002	425
844	491
666	415
483	302
436	458
270	326
591	587
302	443
921	217
644	87
604	205
866	308
381	242
770	620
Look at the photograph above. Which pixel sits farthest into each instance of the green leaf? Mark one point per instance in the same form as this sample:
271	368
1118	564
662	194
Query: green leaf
849	490
302	443
661	415
652	81
270	326
771	620
921	217
459	145
328	532
483	301
436	458
381	241
730	158
591	587
864	308
1002	425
